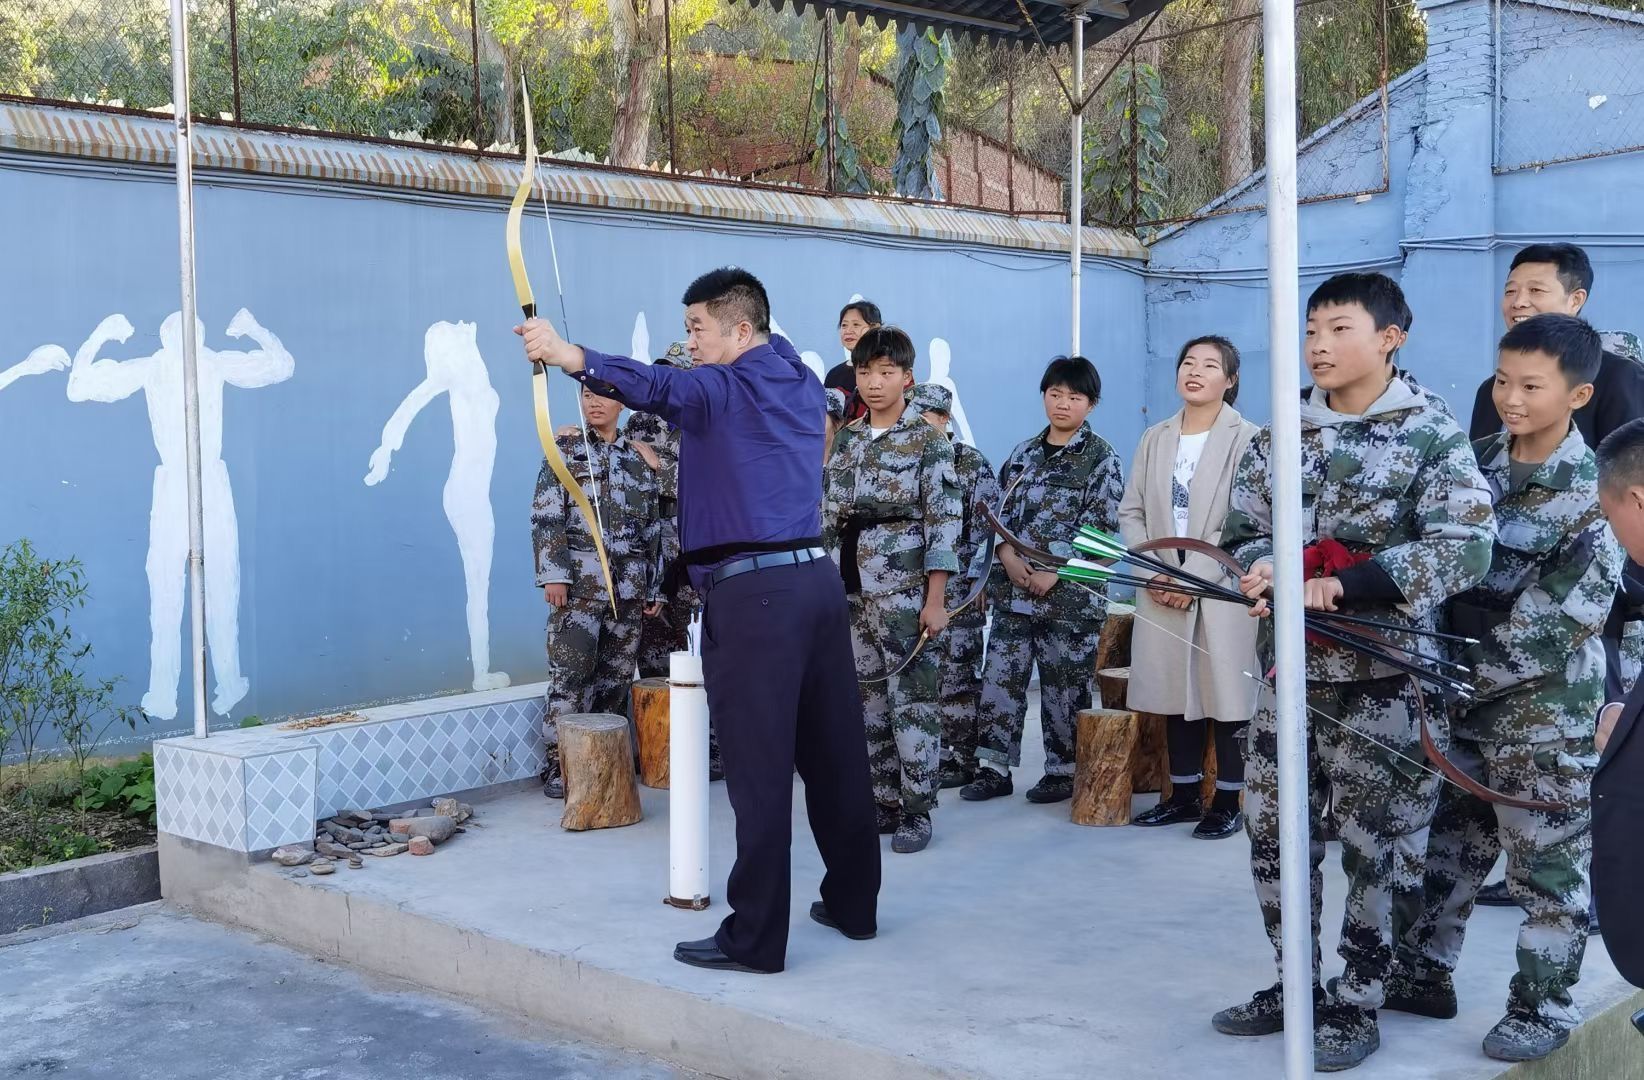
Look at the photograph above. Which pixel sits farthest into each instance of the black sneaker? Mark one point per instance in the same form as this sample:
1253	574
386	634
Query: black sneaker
1522	1037
1169	813
912	835
1495	896
1344	1036
988	784
1051	789
1263	1014
888	818
956	775
553	784
1219	825
1433	997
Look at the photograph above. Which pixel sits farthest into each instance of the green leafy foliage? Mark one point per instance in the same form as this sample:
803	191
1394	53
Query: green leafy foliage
921	82
848	174
1126	175
126	787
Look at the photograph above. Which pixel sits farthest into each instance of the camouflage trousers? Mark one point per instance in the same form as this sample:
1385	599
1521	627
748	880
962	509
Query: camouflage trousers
1066	654
1384	795
1548	857
903	721
666	632
591	658
961	696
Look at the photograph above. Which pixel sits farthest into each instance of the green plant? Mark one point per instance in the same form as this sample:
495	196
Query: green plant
126	786
921	80
1128	145
252	721
849	175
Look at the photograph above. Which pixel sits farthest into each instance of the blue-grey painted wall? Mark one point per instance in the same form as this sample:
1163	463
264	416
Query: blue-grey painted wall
350	593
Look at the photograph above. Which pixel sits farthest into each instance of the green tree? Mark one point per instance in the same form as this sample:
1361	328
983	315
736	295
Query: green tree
921	79
1126	178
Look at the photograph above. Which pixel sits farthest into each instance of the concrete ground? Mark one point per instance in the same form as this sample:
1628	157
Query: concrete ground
150	994
1017	946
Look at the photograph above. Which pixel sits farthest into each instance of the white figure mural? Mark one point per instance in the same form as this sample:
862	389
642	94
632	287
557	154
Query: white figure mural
812	360
941	373
640	346
457	370
45	359
160	379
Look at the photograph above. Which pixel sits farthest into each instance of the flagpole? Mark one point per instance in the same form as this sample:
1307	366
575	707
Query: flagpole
191	381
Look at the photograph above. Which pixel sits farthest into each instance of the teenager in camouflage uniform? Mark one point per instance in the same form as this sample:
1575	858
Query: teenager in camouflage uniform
1064	477
890	518
1539	671
961	695
1396	511
666	631
591	651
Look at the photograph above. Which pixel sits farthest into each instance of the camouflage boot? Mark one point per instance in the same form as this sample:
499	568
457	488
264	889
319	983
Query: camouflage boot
1263	1014
1344	1036
553	784
1433	997
1523	1037
889	818
912	835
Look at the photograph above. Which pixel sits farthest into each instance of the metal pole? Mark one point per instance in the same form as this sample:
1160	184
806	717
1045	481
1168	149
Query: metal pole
1010	138
827	90
191	379
234	54
668	61
479	105
1076	197
1290	674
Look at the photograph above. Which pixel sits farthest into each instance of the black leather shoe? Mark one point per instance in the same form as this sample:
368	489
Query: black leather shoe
1219	825
1168	813
819	914
1495	895
688	952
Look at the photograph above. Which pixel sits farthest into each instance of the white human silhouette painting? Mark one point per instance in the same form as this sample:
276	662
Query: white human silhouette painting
160	379
941	373
812	360
457	370
640	345
45	359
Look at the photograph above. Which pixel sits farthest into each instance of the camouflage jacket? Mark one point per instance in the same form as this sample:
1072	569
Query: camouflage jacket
898	493
1624	344
662	437
1540	610
1045	497
631	519
1399	484
975	551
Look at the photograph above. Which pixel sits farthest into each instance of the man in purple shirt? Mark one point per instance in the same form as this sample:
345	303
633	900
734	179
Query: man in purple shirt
776	645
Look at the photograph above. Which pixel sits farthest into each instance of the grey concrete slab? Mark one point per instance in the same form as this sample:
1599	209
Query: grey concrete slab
69	890
150	994
1017	946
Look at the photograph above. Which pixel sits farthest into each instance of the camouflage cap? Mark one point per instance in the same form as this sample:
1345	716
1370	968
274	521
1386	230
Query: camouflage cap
677	355
931	397
837	403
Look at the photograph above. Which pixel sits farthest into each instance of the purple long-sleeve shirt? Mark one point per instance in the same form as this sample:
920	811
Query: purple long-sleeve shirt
750	451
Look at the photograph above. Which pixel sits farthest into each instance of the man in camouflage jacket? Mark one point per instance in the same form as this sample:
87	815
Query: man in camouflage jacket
591	650
1398	484
891	521
961	695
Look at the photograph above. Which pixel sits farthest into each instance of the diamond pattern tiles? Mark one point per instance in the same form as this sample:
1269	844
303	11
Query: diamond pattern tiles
200	796
279	798
379	764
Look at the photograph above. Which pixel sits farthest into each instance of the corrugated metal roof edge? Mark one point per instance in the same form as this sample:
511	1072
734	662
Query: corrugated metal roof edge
63	131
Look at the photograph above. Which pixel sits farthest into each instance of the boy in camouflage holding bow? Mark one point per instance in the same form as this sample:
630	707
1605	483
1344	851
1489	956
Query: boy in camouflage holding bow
1389	478
1539	615
591	651
961	694
890	518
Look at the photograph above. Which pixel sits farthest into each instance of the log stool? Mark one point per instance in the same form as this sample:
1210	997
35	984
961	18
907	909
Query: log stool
1150	764
1105	744
1114	684
651	722
597	759
1113	646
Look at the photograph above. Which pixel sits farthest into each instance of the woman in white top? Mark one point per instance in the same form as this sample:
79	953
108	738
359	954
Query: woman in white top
1189	659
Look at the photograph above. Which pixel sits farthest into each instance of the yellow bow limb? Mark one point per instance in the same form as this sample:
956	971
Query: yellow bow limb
539	376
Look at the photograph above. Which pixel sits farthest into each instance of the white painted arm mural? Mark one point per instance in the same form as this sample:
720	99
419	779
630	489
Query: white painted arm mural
46	358
106	380
260	367
393	432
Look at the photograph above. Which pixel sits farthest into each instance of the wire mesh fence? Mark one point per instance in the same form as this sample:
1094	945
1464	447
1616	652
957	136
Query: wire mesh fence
1569	82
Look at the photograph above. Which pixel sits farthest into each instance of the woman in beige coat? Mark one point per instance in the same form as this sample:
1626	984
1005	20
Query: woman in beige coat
1179	484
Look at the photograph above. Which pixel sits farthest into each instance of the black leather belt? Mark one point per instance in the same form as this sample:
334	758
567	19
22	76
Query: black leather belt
765	561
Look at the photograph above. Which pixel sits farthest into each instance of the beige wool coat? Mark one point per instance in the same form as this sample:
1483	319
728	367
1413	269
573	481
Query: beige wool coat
1166	675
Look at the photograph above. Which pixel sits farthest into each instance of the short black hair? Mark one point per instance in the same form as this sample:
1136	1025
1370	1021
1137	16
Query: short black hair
1230	361
733	294
1377	294
883	343
867	309
1575	270
1076	373
1566	338
1621	456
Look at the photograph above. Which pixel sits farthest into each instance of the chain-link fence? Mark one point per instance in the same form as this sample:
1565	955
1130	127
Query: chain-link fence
1569	82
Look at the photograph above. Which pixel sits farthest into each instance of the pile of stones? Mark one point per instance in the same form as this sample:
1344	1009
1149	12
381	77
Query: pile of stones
354	834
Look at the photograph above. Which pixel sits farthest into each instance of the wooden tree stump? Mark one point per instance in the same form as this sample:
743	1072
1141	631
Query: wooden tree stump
1105	743
597	757
1114	684
651	721
1152	763
1113	646
1207	786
